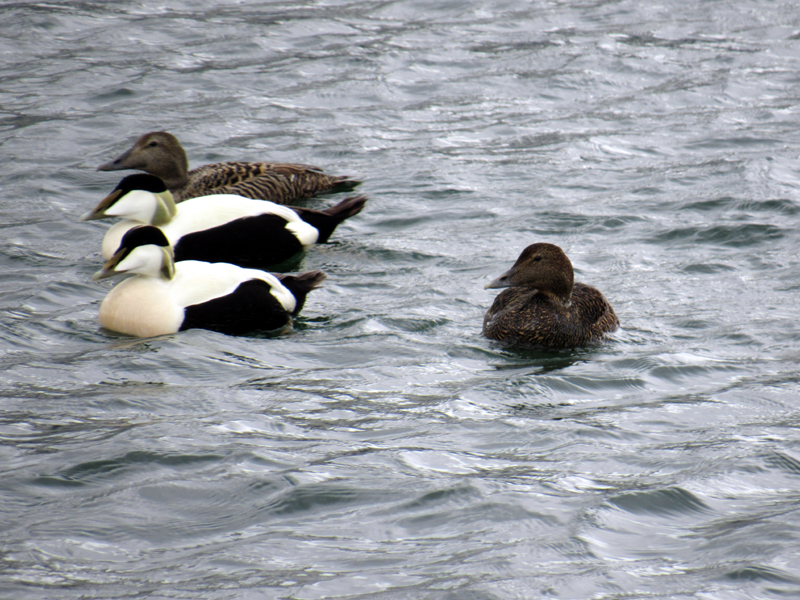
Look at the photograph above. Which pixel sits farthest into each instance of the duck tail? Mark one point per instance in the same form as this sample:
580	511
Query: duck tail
341	185
326	221
300	285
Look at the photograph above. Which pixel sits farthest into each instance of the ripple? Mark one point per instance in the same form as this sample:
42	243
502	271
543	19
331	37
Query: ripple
97	471
784	462
735	236
759	573
660	502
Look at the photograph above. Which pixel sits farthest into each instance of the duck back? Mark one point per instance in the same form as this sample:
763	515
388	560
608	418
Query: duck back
250	307
252	242
523	317
277	182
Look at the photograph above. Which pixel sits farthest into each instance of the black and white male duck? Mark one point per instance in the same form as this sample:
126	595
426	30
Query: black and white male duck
167	297
544	307
219	227
161	154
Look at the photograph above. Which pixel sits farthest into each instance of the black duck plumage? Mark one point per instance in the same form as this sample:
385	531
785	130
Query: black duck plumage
300	285
251	307
327	220
241	242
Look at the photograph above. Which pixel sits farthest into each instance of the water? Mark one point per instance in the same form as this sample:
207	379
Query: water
384	449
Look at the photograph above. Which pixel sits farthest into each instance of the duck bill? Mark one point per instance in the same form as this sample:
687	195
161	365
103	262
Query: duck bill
99	211
501	282
122	162
109	269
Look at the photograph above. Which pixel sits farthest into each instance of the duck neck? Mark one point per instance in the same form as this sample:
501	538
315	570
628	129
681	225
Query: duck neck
562	299
173	170
175	181
165	209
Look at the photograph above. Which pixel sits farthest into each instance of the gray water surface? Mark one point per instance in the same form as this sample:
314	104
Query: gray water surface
383	448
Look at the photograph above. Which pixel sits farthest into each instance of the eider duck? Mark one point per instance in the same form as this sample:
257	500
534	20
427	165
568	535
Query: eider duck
159	153
167	297
221	227
543	307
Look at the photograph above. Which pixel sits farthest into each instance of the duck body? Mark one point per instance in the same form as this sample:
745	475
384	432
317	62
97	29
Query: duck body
220	227
282	183
161	154
528	318
543	307
235	230
167	297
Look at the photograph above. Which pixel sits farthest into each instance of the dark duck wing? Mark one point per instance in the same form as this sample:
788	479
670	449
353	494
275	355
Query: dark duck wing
276	182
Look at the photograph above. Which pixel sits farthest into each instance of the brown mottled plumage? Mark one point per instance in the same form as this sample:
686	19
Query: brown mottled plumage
544	307
161	154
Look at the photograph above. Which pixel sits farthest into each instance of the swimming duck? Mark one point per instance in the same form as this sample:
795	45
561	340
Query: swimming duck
543	307
167	297
161	154
220	227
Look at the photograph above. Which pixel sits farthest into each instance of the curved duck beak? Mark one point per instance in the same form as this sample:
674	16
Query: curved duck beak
99	211
500	282
120	163
109	269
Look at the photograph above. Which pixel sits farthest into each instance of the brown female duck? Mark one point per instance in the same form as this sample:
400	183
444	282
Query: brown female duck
159	153
543	307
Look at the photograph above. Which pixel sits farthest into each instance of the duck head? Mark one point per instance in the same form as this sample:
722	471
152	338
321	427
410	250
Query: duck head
143	250
139	197
158	153
541	267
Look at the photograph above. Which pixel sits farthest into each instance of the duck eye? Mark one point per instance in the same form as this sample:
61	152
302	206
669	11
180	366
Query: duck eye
537	258
152	144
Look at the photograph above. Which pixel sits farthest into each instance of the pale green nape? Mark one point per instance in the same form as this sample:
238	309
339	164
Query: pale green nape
165	209
168	262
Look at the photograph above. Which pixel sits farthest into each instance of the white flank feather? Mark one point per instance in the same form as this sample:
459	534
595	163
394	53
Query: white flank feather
196	282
